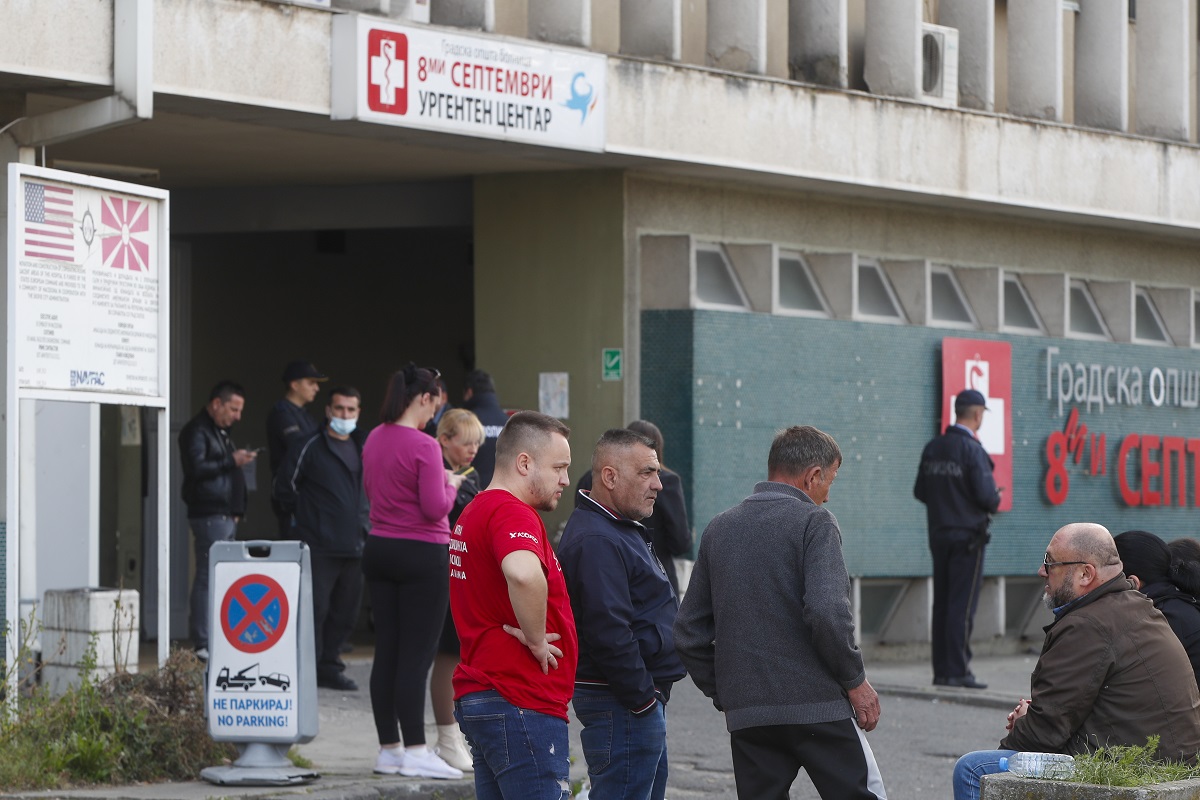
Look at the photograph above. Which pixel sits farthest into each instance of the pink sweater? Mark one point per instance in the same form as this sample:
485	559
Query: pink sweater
406	484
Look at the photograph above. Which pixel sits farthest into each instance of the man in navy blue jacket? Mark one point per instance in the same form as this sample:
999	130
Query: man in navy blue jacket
956	485
320	487
624	613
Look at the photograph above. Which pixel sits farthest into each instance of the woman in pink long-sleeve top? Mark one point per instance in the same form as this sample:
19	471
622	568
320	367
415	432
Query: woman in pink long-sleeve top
406	564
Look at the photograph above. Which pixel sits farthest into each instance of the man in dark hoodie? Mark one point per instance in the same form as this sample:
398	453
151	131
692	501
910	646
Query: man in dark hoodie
624	611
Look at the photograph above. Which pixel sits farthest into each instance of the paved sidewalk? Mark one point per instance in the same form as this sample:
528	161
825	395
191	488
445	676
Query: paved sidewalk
344	751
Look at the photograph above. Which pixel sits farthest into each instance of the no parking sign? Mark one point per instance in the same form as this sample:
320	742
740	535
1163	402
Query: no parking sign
261	681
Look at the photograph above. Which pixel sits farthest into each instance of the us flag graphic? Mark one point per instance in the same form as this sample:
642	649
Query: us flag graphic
49	222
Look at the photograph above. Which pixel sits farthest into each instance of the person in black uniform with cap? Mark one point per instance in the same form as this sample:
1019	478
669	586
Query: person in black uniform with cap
956	485
288	419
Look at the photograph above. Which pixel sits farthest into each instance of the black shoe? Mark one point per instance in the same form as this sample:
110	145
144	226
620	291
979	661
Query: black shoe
964	682
346	648
940	681
339	682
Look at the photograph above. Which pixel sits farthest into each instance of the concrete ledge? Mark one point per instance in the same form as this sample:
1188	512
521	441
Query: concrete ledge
1012	787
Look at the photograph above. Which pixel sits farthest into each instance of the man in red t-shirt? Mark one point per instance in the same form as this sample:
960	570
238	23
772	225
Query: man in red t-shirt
510	605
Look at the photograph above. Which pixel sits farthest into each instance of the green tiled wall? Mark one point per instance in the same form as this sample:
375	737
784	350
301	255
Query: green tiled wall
721	384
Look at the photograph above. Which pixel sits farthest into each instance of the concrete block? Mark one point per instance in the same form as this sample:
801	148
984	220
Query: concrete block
90	609
68	648
1012	787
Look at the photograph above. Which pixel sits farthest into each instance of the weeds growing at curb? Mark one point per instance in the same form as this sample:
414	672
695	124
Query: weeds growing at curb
127	728
1131	766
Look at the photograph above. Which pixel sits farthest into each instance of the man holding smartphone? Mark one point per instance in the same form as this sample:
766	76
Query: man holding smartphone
214	489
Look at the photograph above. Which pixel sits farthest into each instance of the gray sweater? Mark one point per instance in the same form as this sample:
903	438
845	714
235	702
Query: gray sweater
765	627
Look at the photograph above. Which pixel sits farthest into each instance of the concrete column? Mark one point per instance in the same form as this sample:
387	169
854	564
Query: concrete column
606	26
737	35
893	48
975	21
651	28
818	42
777	38
477	14
1035	59
693	31
1161	94
1102	64
512	18
561	21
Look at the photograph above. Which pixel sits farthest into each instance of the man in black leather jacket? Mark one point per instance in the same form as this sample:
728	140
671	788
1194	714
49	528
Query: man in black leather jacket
956	485
214	490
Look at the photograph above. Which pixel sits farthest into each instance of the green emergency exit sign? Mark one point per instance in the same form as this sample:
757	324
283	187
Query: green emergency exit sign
612	364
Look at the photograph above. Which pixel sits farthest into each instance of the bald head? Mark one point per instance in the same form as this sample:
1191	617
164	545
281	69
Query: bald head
1090	542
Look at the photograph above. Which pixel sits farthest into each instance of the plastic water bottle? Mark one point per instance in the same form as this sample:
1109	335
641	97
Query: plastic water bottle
1055	766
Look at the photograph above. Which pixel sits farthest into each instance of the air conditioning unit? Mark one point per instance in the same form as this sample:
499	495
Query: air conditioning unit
939	65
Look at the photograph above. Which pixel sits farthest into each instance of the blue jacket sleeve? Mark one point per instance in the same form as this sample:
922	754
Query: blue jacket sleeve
981	479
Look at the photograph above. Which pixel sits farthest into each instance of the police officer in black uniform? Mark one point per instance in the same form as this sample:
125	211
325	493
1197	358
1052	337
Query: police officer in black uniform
956	485
287	421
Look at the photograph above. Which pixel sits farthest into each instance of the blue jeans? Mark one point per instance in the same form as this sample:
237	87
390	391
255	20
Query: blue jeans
517	754
972	767
626	755
205	532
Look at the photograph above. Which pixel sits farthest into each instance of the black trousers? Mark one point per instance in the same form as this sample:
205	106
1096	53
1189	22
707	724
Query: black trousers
337	592
835	755
409	582
957	578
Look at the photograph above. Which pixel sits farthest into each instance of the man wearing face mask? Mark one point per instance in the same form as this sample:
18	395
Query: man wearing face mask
320	482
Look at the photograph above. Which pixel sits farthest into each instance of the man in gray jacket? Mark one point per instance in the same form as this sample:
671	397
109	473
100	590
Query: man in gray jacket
766	631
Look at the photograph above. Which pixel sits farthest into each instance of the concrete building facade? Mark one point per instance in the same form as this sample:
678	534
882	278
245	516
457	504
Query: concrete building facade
788	207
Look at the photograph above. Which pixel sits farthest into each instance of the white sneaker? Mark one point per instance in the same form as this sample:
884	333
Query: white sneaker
390	761
425	763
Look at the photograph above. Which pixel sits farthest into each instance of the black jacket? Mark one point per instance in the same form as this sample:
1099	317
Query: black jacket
1183	615
327	500
286	421
486	406
212	483
668	525
624	607
956	485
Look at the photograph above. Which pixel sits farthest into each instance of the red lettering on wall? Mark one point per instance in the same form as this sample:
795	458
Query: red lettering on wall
1193	447
1058	482
1150	469
1174	445
1129	495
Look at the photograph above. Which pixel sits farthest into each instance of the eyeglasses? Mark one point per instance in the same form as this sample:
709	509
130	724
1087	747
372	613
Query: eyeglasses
1047	563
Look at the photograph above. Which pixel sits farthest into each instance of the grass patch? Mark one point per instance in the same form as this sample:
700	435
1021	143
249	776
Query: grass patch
1131	766
128	728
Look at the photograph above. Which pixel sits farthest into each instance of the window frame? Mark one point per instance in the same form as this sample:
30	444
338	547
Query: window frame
1081	284
862	316
777	306
1139	292
697	302
1037	317
948	271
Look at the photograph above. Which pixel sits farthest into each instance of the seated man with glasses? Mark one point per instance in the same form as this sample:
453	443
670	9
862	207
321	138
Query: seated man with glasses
1111	670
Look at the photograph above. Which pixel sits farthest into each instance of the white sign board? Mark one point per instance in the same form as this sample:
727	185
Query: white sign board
253	653
87	283
426	78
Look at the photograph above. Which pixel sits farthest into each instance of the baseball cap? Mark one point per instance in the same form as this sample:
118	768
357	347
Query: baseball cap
970	397
296	370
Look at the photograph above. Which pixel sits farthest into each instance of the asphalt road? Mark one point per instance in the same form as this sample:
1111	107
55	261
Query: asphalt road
916	744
